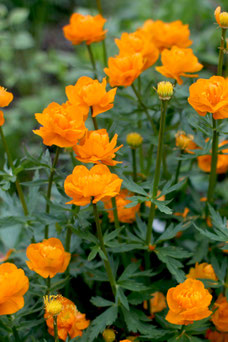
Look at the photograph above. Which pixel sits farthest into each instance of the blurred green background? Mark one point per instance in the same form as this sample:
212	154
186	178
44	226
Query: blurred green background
37	62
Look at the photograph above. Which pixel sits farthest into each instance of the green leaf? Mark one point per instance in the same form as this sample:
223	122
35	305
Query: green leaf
162	207
93	253
132	186
120	296
129	271
18	16
101	302
171	231
99	324
132	285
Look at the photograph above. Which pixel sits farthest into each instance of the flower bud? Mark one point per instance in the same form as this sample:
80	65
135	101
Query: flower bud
183	139
223	18
134	139
109	335
52	304
165	90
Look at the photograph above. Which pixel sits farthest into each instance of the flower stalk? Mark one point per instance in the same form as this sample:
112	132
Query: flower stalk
215	138
157	170
102	247
134	166
50	181
92	60
99	7
55	328
95	124
178	168
17	183
115	213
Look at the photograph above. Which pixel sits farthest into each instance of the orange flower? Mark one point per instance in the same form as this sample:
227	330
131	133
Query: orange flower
221	18
96	148
215	336
125	215
210	96
179	62
47	258
188	302
203	271
204	162
2	119
85	28
161	198
122	71
62	125
184	214
185	142
4	257
14	284
5	97
166	35
69	321
220	316
138	42
96	184
157	303
91	93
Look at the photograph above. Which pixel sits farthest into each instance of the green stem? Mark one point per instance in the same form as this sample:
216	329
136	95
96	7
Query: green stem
17	183
157	170
221	52
141	159
213	175
15	334
92	60
55	328
134	166
67	249
215	138
95	124
143	106
48	284
115	213
102	247
99	7
149	159
178	168
50	181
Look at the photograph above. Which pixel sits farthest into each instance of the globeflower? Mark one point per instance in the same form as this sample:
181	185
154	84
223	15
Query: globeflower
123	70
204	162
185	142
215	336
220	316
69	320
5	97
210	96
85	28
138	42
125	215
88	93
14	284
221	18
157	303
203	271
165	35
188	302
96	148
96	184
2	119
47	258
179	62
62	125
